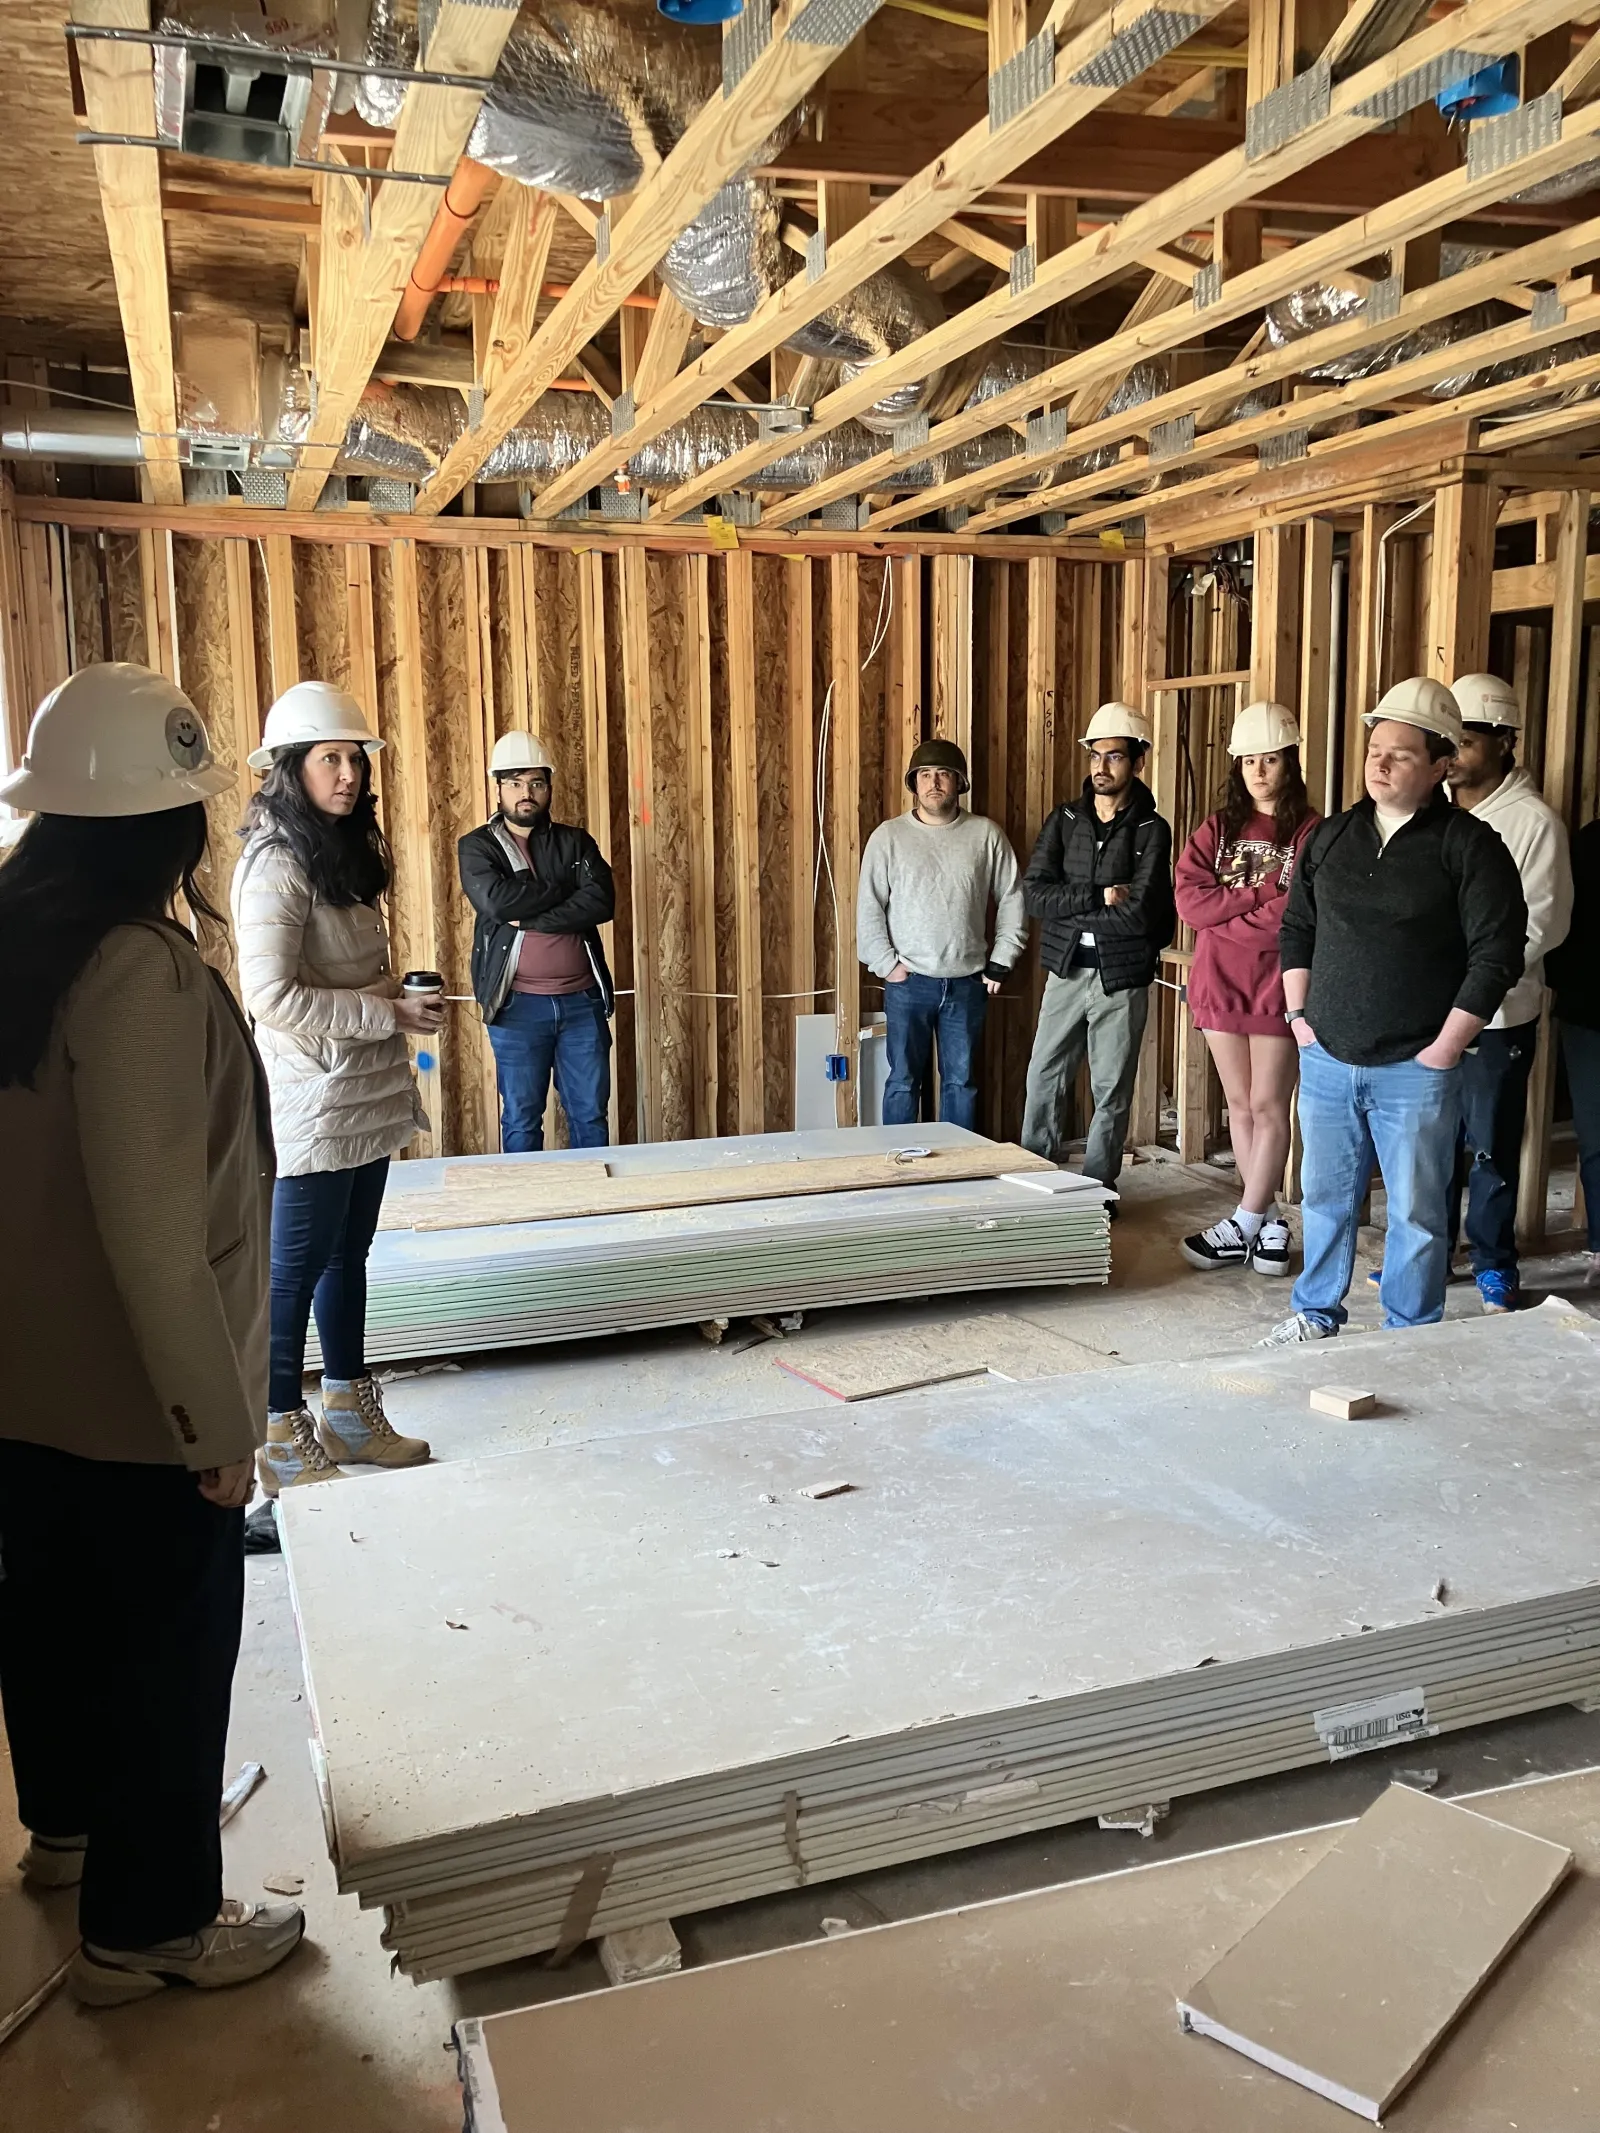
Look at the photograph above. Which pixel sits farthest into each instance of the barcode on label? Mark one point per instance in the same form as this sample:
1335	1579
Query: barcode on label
1374	1722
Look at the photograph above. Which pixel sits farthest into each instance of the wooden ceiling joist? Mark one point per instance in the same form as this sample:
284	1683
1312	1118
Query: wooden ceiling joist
717	145
1421	374
919	209
119	97
1538	261
369	249
1095	259
1426	207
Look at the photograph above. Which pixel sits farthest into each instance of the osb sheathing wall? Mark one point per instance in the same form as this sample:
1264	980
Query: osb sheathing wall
690	702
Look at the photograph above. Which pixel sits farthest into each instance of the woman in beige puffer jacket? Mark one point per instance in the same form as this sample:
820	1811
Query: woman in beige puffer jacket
330	1024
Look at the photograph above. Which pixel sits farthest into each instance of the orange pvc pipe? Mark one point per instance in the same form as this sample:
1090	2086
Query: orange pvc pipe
463	197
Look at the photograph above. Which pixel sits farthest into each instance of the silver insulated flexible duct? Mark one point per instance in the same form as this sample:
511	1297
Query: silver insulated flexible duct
587	101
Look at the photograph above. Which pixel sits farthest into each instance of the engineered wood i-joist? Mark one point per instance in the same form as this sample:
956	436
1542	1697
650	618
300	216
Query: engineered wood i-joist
844	825
719	143
369	247
547	1197
950	182
1416	209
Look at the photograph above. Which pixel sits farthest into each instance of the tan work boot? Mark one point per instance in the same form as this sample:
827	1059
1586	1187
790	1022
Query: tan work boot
355	1428
291	1455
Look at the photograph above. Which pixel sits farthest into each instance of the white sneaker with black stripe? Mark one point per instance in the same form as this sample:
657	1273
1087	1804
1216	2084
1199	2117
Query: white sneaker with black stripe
1223	1244
1270	1252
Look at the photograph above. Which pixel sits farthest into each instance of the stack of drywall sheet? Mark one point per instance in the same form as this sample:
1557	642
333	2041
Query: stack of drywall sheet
517	1283
585	1687
1046	2011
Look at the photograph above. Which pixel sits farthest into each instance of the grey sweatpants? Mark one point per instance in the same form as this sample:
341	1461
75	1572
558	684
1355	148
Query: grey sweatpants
1078	1015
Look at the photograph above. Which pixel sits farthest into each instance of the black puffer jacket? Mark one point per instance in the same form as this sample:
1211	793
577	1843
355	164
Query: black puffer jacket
569	890
1070	872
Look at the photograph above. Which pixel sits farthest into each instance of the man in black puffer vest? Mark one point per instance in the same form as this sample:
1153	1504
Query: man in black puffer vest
1100	884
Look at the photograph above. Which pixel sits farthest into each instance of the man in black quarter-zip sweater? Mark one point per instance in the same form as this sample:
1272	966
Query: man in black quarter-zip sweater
1404	931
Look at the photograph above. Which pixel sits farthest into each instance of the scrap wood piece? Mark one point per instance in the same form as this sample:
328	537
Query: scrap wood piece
1342	1401
465	1208
864	1366
1353	1976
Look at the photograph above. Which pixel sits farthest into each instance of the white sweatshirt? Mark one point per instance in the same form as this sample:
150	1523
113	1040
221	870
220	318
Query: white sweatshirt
926	888
1536	838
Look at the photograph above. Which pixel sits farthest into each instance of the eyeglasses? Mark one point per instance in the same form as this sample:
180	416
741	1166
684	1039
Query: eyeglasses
528	783
1109	758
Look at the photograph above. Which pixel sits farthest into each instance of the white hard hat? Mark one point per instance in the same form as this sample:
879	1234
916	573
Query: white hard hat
1113	722
1486	700
312	711
519	751
1420	702
115	740
1262	729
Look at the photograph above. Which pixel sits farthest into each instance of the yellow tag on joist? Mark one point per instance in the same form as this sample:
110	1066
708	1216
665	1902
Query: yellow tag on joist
1111	537
723	532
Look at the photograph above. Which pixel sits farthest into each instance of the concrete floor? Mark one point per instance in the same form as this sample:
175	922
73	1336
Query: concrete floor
334	2040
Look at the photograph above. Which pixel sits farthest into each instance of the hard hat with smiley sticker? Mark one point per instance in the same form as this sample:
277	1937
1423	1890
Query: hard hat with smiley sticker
115	739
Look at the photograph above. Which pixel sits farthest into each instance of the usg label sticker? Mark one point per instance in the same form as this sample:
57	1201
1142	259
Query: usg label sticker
1374	1722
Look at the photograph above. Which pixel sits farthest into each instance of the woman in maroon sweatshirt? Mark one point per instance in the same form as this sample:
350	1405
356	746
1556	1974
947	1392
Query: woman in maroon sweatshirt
1232	881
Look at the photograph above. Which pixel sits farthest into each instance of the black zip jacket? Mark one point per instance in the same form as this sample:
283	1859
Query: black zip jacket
569	890
1396	935
1574	968
1071	870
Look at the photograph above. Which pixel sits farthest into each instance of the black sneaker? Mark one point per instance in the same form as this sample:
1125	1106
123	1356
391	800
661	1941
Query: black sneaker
1221	1245
1270	1252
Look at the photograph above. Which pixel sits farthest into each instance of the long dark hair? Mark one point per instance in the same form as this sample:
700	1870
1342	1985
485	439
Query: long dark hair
68	882
345	858
1239	807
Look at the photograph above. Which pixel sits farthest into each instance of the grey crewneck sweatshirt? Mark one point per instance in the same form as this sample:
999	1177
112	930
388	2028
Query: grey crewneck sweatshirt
925	895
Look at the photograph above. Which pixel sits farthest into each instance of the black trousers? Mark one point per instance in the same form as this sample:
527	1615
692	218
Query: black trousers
1494	1104
121	1602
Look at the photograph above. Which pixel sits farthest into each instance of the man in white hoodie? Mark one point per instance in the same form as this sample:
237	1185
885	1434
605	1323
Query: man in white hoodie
1487	778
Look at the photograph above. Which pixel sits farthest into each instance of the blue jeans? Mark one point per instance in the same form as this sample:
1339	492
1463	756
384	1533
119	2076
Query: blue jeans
922	1012
534	1033
1404	1118
1582	1050
322	1229
1494	1107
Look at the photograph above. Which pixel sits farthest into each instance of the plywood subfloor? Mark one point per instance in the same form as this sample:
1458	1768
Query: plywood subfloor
866	1366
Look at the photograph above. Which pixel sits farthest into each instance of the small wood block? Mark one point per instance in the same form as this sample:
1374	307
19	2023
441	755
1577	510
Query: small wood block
1342	1401
820	1489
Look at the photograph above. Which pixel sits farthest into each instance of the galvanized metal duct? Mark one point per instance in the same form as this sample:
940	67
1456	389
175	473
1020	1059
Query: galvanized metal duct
101	437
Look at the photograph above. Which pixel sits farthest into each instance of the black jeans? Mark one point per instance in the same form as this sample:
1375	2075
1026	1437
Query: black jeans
1494	1104
322	1230
121	1599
